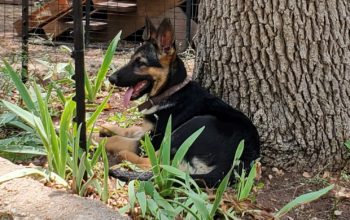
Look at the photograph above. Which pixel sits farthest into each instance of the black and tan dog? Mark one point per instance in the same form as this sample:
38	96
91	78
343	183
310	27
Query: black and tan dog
157	71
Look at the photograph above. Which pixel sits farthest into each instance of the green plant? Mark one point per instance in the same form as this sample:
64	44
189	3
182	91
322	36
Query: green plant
306	198
172	192
22	143
245	183
61	146
126	118
49	176
162	176
93	87
82	164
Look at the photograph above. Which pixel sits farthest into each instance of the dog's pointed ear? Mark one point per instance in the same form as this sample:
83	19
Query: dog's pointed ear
150	31
166	35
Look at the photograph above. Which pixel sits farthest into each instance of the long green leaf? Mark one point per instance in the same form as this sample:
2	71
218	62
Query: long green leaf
239	151
186	207
98	152
164	158
21	125
22	149
105	193
66	119
97	112
107	60
27	116
180	154
30	171
131	194
88	87
141	198
75	156
248	184
199	202
80	174
84	187
20	86
306	198
153	158
220	192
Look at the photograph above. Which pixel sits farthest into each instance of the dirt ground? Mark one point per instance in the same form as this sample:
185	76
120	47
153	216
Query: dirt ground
277	187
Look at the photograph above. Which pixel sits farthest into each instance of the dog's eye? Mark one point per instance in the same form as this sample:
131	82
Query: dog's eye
139	63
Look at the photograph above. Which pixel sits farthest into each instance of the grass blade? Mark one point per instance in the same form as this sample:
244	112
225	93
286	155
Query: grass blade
248	183
107	60
64	130
239	151
306	198
105	193
153	158
220	192
180	154
131	194
31	171
164	158
27	116
98	111
88	87
141	198
20	86
80	174
200	204
23	149
98	152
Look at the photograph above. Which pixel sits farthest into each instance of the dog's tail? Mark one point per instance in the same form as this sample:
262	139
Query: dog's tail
127	176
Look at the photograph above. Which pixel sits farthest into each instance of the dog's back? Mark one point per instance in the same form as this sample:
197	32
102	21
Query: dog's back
211	155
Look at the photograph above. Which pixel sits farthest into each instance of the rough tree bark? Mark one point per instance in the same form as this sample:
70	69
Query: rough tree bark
286	64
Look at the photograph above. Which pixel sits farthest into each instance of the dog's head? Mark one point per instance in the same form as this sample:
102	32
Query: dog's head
152	66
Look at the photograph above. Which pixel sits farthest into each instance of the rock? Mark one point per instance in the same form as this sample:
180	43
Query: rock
26	195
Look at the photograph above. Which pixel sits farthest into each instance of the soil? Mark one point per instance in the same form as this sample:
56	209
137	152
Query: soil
278	187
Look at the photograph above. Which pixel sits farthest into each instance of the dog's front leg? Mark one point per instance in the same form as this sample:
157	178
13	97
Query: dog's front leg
130	132
141	162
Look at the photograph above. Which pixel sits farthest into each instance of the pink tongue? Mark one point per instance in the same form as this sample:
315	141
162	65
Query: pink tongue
127	96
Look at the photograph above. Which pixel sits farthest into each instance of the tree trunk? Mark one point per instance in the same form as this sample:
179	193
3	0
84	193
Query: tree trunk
286	64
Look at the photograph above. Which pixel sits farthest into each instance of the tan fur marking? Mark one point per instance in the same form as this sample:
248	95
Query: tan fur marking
117	143
159	76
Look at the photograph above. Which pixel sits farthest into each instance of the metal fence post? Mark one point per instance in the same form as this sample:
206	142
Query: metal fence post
25	36
87	22
78	55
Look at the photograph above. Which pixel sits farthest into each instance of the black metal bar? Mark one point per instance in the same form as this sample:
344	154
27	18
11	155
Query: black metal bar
87	22
78	55
25	36
188	21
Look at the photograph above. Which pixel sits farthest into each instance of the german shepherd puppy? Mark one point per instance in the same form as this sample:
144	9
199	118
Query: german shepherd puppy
155	70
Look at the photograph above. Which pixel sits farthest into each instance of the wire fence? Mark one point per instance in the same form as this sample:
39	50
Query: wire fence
51	22
43	44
